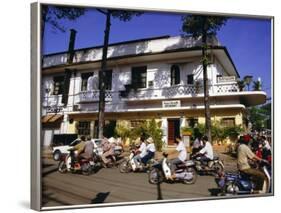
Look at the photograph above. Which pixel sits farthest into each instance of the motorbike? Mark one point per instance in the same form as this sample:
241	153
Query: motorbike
240	183
161	171
212	167
114	159
84	166
129	164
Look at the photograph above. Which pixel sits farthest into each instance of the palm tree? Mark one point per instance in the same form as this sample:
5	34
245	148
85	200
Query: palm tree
200	26
122	16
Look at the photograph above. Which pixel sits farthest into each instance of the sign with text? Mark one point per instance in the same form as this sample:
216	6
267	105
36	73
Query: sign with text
171	104
223	79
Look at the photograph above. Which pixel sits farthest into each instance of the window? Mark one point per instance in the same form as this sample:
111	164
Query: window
228	122
139	77
192	122
108	79
190	79
84	127
218	76
58	85
175	75
84	83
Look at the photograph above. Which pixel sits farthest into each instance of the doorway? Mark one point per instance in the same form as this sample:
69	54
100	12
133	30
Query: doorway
173	130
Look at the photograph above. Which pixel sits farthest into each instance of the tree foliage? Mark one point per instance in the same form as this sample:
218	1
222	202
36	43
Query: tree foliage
260	117
124	15
197	25
54	14
219	133
147	129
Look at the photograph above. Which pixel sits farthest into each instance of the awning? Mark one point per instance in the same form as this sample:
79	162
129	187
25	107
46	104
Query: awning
51	118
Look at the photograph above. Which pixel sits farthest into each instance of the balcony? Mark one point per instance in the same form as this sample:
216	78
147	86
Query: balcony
93	96
178	91
221	91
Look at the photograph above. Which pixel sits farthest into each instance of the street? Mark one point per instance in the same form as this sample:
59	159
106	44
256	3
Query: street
109	186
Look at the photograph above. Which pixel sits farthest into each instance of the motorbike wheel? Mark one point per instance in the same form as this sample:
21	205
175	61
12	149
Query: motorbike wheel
231	189
124	167
155	176
86	169
62	167
193	180
217	168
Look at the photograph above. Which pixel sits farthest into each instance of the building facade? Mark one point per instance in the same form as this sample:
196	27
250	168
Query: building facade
160	78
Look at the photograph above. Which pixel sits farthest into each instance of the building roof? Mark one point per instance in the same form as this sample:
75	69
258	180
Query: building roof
142	47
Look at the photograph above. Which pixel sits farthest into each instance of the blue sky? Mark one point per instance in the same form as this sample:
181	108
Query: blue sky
248	40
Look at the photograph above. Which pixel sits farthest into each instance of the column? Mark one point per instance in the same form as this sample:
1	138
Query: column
164	128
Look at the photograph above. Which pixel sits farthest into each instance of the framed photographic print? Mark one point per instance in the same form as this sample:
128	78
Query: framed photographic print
137	106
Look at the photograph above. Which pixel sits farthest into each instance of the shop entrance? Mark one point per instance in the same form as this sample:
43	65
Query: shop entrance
173	130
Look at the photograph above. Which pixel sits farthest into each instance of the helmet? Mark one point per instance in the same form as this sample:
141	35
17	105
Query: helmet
149	140
246	138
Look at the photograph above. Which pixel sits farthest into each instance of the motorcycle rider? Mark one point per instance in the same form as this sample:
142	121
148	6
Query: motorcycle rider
108	151
206	152
141	150
79	148
182	155
243	154
150	151
88	149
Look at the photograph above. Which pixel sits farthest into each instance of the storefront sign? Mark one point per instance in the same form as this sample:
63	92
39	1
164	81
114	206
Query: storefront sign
53	109
171	104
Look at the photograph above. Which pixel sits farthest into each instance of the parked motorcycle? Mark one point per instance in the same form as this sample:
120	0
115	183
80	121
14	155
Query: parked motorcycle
161	171
85	166
129	164
240	183
212	167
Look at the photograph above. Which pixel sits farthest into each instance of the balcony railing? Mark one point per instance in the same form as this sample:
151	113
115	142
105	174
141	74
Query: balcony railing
93	96
179	91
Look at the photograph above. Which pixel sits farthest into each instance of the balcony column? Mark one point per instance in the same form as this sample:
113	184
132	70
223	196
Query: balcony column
64	124
164	128
92	128
182	122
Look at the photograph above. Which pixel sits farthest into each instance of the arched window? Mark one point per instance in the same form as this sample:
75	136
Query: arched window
175	75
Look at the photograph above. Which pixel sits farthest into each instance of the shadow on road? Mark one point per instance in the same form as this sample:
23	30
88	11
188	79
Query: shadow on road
100	197
214	191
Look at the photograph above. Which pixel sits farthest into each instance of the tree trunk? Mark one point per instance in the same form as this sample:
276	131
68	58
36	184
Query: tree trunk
102	76
206	88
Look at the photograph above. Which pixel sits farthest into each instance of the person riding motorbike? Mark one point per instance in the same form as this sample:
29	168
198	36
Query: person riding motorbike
141	150
108	151
244	153
150	151
88	149
206	153
182	155
79	149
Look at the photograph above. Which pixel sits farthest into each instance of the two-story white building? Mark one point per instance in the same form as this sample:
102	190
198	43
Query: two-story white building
159	78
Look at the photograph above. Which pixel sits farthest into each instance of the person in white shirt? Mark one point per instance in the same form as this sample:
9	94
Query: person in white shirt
206	152
182	155
141	150
150	151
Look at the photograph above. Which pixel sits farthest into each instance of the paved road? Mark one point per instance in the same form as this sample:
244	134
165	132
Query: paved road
109	186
